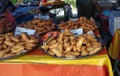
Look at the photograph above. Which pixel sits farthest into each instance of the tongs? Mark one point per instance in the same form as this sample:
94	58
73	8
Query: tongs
48	39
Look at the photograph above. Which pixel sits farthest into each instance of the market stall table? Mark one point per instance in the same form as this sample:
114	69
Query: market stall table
37	63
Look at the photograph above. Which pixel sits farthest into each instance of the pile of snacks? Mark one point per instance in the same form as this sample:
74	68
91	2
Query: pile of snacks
11	45
5	25
41	26
66	45
82	22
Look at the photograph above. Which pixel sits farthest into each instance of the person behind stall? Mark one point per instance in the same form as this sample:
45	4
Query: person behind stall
87	8
6	5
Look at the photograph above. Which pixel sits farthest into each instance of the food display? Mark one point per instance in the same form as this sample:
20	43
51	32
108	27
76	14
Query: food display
5	26
82	22
11	45
41	26
66	45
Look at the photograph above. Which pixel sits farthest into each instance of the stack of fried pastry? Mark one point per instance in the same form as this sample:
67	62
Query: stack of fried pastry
11	45
66	45
82	22
41	26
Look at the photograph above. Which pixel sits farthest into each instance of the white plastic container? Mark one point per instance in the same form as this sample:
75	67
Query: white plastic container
114	21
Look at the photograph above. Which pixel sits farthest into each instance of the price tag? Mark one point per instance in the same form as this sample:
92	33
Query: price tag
20	30
91	33
76	31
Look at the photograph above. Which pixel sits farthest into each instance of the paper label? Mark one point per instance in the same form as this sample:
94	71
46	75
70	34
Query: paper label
76	31
91	33
20	30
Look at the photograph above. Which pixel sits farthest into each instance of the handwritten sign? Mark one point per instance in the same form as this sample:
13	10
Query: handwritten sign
76	31
20	30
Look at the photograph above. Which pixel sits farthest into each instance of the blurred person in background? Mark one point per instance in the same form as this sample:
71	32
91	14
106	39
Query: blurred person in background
87	8
6	5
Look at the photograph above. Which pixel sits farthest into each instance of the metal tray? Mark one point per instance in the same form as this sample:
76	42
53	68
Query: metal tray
22	52
78	57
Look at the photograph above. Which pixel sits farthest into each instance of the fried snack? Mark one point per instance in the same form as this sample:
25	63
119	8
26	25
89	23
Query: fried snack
52	42
88	44
17	49
32	41
72	37
7	37
1	41
90	49
1	47
24	36
51	53
79	43
28	48
8	55
49	40
66	45
53	46
66	39
69	55
82	22
29	45
84	53
41	26
21	44
83	48
94	50
60	46
73	42
9	34
57	52
11	45
45	47
75	53
3	52
68	49
74	48
15	39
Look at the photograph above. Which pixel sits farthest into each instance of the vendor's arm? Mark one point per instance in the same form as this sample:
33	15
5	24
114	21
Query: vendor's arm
97	6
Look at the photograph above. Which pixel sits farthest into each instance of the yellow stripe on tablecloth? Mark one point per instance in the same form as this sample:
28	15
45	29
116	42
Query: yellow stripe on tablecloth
91	60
